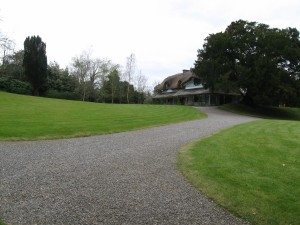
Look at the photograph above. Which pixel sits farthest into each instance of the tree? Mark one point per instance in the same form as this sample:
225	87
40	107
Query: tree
80	70
35	63
129	73
13	66
12	77
90	74
98	71
6	46
111	87
59	79
141	84
260	62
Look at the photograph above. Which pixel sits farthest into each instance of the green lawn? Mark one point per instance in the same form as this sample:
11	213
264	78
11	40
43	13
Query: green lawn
28	118
264	112
251	169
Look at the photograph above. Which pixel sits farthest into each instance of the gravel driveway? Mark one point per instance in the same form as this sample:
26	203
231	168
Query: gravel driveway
124	178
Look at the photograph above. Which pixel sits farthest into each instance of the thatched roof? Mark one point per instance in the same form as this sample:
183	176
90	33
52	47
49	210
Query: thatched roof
182	93
176	81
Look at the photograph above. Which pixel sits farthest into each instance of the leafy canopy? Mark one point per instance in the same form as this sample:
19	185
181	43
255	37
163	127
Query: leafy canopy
260	62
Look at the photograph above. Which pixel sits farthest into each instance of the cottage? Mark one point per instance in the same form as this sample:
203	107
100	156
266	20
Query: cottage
186	89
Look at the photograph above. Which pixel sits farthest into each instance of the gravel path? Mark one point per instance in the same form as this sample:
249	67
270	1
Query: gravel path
124	178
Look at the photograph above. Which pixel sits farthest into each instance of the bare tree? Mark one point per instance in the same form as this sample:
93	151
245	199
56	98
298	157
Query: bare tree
141	84
104	68
80	69
6	45
129	72
90	73
98	72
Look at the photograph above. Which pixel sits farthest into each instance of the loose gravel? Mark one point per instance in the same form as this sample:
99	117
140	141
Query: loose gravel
124	178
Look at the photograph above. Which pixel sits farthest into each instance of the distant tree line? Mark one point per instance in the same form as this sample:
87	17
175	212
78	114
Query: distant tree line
261	63
88	79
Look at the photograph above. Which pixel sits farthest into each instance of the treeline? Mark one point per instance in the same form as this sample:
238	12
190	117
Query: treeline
86	79
261	63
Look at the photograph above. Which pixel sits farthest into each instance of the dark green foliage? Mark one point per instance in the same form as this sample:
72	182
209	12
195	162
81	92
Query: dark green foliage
35	63
63	95
111	88
12	77
156	89
266	112
12	66
260	62
60	83
15	86
115	91
60	79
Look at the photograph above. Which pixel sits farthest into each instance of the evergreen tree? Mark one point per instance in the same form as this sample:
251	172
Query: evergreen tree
35	63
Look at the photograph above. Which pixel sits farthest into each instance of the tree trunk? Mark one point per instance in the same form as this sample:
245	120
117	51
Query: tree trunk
84	90
128	94
248	100
36	92
112	93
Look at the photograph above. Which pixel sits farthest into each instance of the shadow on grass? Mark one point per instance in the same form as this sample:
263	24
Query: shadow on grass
264	112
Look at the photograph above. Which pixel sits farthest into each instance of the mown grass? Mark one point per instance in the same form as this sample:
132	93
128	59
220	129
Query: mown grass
29	118
251	169
264	112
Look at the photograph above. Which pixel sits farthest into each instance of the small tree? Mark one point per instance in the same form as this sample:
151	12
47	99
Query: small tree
111	86
129	73
90	74
12	68
6	47
35	63
80	70
141	84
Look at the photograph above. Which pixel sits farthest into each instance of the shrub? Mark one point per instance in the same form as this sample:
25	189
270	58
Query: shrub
15	86
63	95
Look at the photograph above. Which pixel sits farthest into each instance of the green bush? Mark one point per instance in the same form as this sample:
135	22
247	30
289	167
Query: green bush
63	95
15	86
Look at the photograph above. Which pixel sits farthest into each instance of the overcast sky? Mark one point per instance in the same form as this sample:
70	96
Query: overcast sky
164	35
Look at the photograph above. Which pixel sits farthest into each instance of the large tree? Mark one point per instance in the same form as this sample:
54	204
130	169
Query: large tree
90	74
35	63
260	62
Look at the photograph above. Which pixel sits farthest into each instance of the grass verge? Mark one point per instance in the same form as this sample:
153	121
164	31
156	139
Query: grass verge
264	112
252	169
30	118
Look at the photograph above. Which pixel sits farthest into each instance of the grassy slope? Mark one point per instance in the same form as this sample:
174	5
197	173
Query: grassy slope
26	117
264	112
252	169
